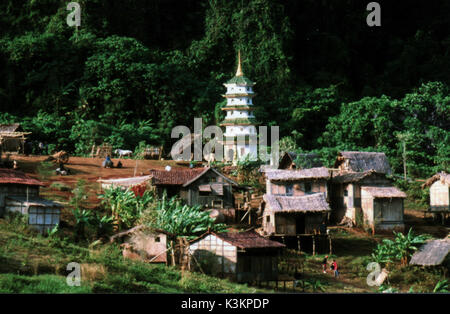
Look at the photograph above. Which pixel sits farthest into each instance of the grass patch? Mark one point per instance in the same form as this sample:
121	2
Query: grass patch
11	283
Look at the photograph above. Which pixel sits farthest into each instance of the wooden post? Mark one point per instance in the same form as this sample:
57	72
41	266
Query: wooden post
173	253
314	244
331	248
298	244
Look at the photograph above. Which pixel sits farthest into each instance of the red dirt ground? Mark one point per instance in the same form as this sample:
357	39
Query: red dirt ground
88	169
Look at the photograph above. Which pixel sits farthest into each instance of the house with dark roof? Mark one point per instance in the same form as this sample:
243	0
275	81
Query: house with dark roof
198	186
20	193
366	199
240	256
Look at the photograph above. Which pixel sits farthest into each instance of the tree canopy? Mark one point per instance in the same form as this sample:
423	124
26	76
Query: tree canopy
135	69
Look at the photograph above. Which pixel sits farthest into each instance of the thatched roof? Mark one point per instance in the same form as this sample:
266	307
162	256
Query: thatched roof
307	160
432	253
364	161
290	175
349	177
10	128
383	192
442	176
301	204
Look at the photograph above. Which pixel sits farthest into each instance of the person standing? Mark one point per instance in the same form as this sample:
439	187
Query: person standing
324	264
335	267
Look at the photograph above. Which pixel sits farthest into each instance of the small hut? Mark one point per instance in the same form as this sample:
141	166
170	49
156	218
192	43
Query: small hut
432	253
289	160
362	161
439	185
382	209
240	256
20	193
12	138
143	243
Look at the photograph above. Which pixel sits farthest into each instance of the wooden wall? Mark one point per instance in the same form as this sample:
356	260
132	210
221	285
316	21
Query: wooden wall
440	196
192	195
298	187
215	256
382	214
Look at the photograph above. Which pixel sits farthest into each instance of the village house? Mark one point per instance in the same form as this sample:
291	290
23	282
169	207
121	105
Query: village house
20	193
295	206
289	160
439	185
362	195
204	186
362	161
345	192
240	256
143	243
197	186
382	209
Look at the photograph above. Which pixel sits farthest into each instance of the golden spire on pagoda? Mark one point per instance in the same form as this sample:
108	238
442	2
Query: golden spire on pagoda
239	68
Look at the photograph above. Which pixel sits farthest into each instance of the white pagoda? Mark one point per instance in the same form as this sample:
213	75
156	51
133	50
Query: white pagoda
239	121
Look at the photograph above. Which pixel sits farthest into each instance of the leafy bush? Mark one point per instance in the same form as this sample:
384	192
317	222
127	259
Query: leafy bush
400	248
183	220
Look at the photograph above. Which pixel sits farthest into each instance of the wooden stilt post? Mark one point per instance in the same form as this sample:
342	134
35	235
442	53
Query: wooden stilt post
331	248
314	244
298	244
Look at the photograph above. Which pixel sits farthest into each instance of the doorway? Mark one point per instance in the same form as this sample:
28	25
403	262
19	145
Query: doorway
300	224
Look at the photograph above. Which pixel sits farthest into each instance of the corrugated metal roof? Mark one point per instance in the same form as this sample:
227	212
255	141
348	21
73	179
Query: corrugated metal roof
125	182
176	176
34	201
10	176
244	240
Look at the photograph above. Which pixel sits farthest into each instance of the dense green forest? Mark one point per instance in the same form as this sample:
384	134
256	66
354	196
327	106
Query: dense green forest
135	69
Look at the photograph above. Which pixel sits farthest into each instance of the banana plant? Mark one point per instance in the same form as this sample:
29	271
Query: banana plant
183	220
82	218
103	225
441	286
